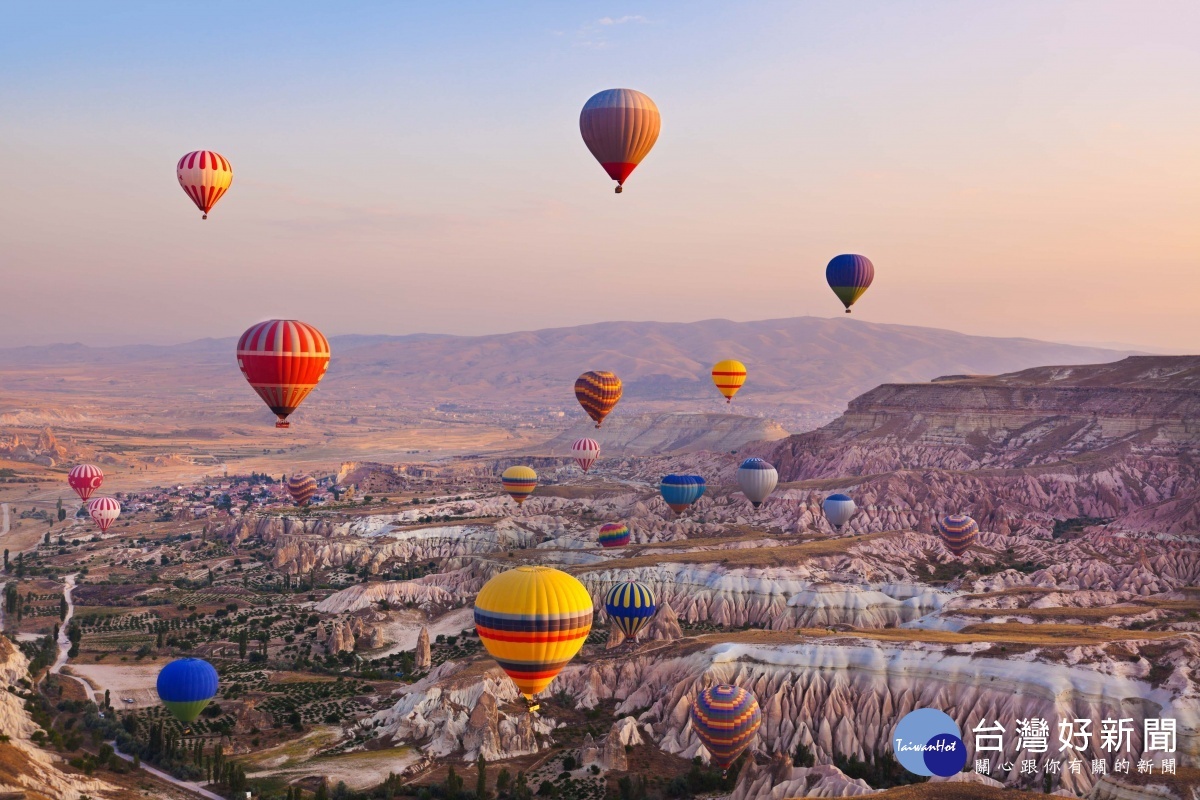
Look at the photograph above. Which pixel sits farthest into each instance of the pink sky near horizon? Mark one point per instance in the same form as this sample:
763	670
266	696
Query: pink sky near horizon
1016	169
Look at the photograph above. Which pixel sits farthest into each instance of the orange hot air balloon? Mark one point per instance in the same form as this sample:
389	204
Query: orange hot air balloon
619	126
598	392
205	176
283	360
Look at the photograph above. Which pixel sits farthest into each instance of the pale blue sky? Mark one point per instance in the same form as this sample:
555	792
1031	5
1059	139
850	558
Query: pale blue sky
1012	168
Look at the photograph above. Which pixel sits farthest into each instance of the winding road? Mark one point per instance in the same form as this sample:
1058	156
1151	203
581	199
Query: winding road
3	518
158	773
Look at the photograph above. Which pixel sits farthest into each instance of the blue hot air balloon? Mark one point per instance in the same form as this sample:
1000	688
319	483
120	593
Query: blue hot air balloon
838	508
630	605
680	491
849	276
186	685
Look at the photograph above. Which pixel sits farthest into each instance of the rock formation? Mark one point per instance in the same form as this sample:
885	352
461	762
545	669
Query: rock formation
424	660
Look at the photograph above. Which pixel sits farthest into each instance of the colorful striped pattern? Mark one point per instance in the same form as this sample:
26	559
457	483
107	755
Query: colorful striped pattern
630	605
958	531
104	511
619	127
728	376
757	479
598	392
519	482
726	719
680	491
585	451
186	686
301	488
849	276
205	177
85	479
284	360
614	534
838	508
533	620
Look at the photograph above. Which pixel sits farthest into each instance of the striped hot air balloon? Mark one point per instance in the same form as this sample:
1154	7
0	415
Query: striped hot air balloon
757	479
186	686
85	479
838	508
958	531
104	511
630	605
614	534
585	451
728	376
519	482
680	491
205	177
725	718
301	488
598	392
284	360
849	276
619	126
533	620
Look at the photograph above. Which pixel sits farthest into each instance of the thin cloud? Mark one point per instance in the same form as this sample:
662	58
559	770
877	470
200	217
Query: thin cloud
622	20
592	34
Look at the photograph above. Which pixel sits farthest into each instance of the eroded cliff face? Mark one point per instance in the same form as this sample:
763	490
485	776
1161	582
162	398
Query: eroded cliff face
24	767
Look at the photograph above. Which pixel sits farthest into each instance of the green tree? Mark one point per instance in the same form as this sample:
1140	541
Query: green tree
322	791
243	639
481	790
62	515
454	784
502	780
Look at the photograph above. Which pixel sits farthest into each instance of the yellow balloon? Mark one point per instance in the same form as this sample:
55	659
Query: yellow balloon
533	620
519	482
728	376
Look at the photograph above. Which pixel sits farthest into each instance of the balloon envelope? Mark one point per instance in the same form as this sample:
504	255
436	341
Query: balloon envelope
849	276
204	176
630	605
725	718
186	686
728	376
598	392
85	479
958	531
533	620
519	482
104	511
838	508
614	534
301	488
283	360
758	479
619	127
585	451
680	491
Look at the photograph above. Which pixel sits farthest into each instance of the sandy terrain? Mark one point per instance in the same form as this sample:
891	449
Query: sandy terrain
403	633
359	770
135	681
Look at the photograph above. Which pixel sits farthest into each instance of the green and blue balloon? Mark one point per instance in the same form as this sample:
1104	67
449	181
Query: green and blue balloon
186	686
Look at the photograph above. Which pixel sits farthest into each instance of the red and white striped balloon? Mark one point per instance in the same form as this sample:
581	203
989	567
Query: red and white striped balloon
85	479
205	177
585	452
104	511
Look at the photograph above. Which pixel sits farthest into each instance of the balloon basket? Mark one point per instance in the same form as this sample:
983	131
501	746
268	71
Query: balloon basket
618	190
283	424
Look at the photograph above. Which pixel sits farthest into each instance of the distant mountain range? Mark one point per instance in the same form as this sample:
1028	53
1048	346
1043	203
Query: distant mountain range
804	366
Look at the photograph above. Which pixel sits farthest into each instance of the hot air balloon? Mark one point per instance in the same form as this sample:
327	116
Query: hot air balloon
85	479
519	482
958	531
185	686
598	392
838	508
849	276
533	620
614	534
284	360
619	126
630	605
104	511
301	488
725	718
680	491
585	451
729	375
205	177
757	479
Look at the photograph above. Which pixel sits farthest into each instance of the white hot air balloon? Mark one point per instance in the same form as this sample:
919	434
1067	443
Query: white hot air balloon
757	479
838	508
585	452
104	511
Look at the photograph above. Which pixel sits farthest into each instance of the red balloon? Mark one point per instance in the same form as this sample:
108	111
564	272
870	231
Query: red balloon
85	479
284	360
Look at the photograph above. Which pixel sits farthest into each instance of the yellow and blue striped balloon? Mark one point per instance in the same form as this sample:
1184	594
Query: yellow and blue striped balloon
958	531
725	718
533	620
630	605
519	482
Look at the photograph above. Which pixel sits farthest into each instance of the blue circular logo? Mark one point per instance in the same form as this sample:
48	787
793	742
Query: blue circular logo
929	742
